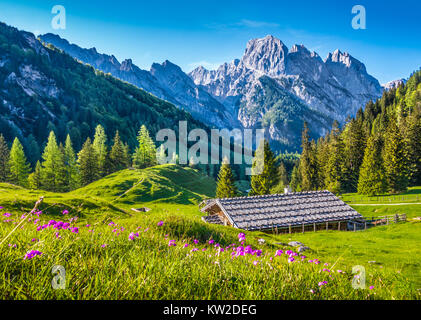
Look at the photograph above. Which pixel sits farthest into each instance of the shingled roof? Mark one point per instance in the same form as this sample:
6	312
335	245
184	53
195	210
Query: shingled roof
283	210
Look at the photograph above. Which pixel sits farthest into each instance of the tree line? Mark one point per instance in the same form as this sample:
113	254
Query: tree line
377	152
61	169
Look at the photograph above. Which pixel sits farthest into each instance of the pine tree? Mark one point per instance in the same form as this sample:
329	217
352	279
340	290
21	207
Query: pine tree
100	146
35	178
226	187
295	184
334	165
308	163
72	171
145	153
282	179
118	158
53	168
322	159
264	171
127	156
414	147
88	163
372	180
4	160
355	144
395	159
18	165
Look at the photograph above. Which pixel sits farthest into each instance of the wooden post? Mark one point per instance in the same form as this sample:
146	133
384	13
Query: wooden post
339	226
365	225
276	228
314	226
289	228
355	226
303	227
327	226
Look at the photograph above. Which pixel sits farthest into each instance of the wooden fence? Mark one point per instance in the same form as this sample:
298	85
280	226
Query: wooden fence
373	222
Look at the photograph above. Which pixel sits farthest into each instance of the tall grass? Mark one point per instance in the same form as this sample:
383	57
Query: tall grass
102	263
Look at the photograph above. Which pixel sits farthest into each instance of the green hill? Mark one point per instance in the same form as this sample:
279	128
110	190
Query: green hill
119	192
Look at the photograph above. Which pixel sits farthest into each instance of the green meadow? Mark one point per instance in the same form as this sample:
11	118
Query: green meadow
169	253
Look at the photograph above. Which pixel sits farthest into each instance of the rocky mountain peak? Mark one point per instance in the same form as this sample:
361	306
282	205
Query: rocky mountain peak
266	55
126	65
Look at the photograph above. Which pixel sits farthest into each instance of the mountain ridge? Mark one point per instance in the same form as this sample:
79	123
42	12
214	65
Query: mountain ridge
333	89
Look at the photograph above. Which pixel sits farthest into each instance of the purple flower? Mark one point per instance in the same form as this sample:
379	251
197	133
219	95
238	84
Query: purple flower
7	214
371	287
64	212
30	254
172	243
1	208
75	230
111	223
160	223
34	240
211	241
278	253
255	263
186	245
196	241
104	245
131	236
291	259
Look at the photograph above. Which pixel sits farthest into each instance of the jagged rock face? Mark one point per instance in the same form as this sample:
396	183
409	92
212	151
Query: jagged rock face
336	87
266	55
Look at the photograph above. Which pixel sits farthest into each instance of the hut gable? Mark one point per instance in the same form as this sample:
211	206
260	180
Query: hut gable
280	210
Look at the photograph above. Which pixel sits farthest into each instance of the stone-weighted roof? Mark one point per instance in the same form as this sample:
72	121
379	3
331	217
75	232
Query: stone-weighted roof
283	210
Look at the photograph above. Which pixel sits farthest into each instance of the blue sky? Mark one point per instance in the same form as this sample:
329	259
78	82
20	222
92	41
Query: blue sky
191	33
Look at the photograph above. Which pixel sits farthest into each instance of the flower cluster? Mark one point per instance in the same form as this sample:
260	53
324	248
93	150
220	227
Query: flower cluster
58	225
30	254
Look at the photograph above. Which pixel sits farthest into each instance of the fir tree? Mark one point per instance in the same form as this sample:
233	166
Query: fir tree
35	178
226	187
355	144
72	172
18	165
295	184
53	169
4	160
308	163
395	159
334	165
100	146
118	158
372	179
88	163
282	179
414	147
264	172
145	153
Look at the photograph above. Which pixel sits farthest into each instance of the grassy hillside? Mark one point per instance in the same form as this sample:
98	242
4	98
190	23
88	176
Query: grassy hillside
103	262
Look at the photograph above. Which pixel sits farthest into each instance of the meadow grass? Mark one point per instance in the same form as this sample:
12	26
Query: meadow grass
412	195
102	263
